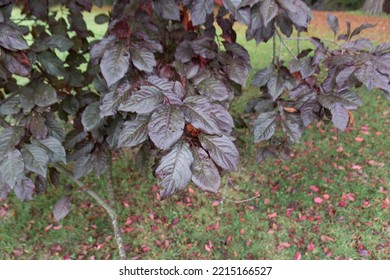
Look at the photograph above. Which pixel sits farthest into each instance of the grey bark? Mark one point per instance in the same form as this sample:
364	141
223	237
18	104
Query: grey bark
373	7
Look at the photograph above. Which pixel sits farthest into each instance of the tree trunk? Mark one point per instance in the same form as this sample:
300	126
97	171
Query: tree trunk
373	7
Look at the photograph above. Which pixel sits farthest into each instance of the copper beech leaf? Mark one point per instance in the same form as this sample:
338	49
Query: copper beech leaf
35	159
205	173
166	126
174	169
143	101
200	10
115	63
11	168
134	132
62	208
25	189
264	126
143	59
222	150
11	38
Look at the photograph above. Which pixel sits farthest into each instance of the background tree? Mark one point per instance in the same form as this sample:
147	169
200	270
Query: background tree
373	7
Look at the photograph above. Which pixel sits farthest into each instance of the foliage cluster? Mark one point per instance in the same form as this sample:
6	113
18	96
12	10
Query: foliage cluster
162	80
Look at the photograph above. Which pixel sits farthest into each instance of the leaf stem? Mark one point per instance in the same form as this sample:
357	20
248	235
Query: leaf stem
274	49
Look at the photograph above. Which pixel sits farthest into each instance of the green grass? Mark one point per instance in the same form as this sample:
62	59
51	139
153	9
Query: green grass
242	230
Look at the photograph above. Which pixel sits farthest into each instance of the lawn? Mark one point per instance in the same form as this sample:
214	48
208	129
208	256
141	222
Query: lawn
331	201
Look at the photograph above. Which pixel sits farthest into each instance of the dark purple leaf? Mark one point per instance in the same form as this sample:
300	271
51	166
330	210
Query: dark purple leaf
35	159
166	126
197	111
143	101
60	42
25	189
333	23
307	113
54	148
91	116
52	64
98	49
114	63
184	52
16	65
268	10
292	126
262	77
298	12
61	208
134	132
37	126
349	99
11	38
83	166
361	28
344	75
100	160
264	126
222	150
204	47
143	59
168	9
45	95
11	106
213	88
204	172
200	10
4	190
12	168
174	169
240	14
339	116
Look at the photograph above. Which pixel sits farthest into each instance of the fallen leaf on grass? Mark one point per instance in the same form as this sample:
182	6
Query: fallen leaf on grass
314	188
325	238
215	203
297	256
209	246
310	247
375	163
283	245
342	203
363	253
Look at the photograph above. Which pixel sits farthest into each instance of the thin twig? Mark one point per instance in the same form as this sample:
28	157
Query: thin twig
299	43
274	49
4	123
242	201
285	45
